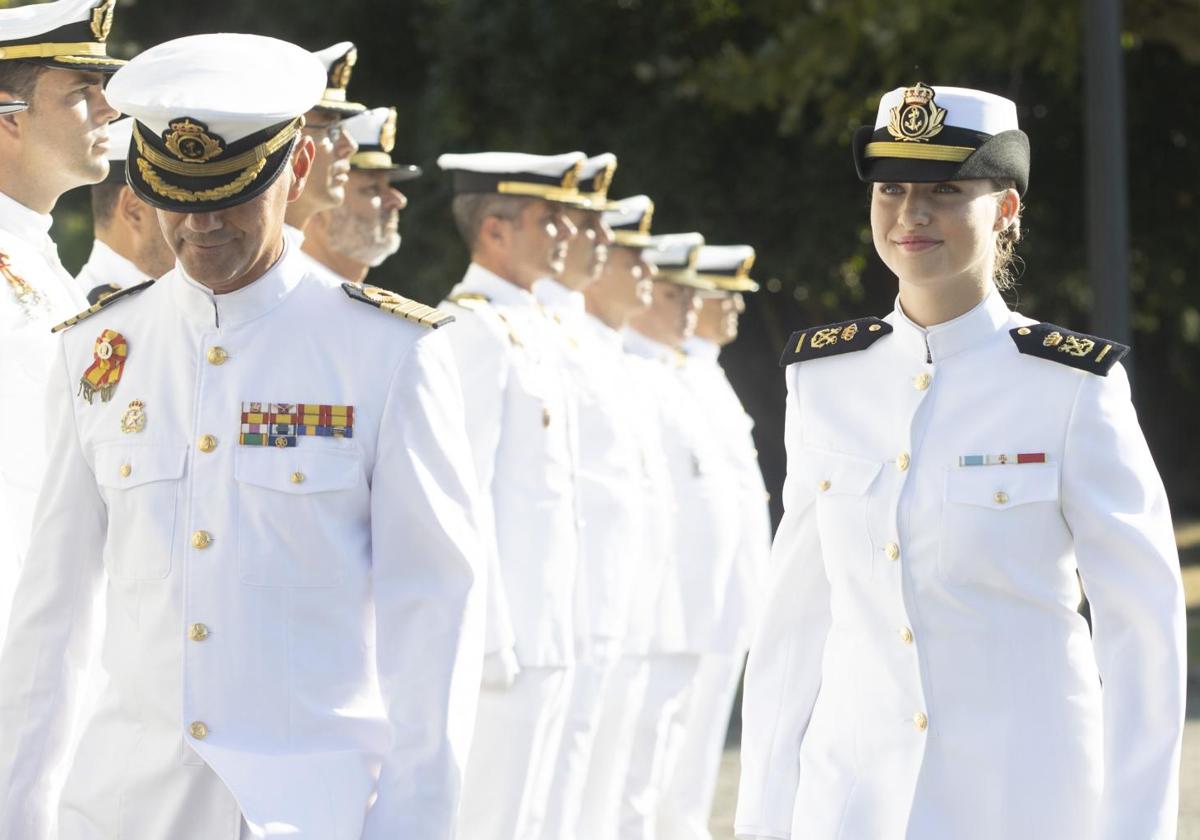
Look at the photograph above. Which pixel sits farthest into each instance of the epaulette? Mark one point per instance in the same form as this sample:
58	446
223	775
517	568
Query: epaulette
1067	347
402	307
470	301
101	304
102	292
833	340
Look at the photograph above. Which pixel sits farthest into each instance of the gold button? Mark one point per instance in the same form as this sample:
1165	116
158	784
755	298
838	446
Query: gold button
198	632
297	478
824	485
201	539
874	328
198	730
1001	497
126	470
921	381
906	635
921	721
892	551
902	461
217	355
207	443
1024	331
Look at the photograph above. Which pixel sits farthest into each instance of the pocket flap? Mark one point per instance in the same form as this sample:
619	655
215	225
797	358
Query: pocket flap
298	470
1001	487
123	465
836	473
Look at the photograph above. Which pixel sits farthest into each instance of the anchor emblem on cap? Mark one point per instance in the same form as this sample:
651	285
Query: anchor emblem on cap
917	118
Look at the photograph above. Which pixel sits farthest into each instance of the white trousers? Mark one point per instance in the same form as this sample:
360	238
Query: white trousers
588	685
687	800
657	737
511	763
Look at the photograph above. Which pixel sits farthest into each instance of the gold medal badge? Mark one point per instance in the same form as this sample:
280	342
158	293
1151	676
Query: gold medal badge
190	141
917	119
108	363
134	418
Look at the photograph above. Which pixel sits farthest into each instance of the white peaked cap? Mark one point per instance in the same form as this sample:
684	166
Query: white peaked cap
496	163
976	110
120	133
721	258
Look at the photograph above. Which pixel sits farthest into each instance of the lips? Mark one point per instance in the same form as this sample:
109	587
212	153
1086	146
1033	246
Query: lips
916	244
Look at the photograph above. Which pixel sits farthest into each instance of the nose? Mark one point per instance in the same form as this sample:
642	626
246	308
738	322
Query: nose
203	222
914	212
346	145
103	113
393	198
739	303
650	269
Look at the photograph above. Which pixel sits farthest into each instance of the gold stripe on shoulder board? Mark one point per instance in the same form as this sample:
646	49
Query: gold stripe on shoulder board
104	303
401	307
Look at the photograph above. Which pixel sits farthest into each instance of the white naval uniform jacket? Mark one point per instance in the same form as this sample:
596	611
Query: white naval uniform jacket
36	292
312	606
520	426
705	538
922	671
745	493
105	267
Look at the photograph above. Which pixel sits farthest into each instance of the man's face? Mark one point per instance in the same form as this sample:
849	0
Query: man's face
672	313
537	242
366	227
588	249
718	319
227	249
331	166
65	130
625	286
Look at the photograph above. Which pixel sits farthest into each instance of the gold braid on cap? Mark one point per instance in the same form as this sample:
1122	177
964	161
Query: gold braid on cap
215	194
258	154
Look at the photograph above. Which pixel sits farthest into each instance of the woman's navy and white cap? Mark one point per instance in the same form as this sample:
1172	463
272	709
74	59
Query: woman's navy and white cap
595	177
120	134
675	255
67	34
924	134
12	106
216	117
374	131
629	219
549	177
338	61
727	267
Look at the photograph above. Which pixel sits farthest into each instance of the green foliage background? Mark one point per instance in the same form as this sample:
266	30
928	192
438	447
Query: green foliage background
735	116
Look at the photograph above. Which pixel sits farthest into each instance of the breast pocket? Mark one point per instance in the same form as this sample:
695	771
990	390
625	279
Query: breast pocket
992	517
140	484
842	484
303	515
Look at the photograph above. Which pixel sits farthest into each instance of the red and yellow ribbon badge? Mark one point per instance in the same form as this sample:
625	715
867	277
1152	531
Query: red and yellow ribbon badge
104	373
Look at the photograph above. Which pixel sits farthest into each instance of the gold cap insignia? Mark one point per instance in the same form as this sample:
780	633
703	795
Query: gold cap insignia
339	74
190	141
693	259
917	118
744	268
387	133
604	178
102	19
644	227
570	179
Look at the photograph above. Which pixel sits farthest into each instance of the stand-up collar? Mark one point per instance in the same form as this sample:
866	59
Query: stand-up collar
941	341
199	304
639	345
105	263
29	225
702	350
554	295
478	280
610	338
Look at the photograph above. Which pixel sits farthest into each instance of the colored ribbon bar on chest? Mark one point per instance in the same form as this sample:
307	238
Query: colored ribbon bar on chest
1001	460
282	424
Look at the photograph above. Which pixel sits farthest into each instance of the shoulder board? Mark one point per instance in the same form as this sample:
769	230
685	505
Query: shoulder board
103	303
102	292
1073	349
470	301
833	340
399	306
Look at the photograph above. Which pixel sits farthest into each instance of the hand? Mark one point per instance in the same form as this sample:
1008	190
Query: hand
500	670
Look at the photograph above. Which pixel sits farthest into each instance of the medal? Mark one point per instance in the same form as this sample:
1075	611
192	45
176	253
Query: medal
134	418
108	362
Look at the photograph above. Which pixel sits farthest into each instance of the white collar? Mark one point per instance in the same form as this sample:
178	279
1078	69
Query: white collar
29	225
555	295
106	265
702	350
647	348
940	341
234	308
494	287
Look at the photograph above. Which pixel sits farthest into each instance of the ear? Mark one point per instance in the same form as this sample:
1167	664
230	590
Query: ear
9	124
301	165
132	209
493	233
1008	205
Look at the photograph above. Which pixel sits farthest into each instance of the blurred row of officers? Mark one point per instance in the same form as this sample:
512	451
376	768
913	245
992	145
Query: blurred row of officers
310	539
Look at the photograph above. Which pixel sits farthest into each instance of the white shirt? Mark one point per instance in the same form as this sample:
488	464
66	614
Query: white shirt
520	422
746	493
36	293
105	267
311	605
922	672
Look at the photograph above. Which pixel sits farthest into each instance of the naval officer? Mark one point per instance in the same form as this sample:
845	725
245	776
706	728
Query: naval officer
128	247
286	536
364	230
955	470
52	57
510	210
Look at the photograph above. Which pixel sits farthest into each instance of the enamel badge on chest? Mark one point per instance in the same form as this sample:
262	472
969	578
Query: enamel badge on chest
134	418
108	363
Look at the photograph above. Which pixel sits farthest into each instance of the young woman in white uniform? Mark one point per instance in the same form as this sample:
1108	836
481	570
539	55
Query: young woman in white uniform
955	470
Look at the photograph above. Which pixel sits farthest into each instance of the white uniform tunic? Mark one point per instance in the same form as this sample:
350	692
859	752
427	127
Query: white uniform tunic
922	672
105	267
36	293
291	630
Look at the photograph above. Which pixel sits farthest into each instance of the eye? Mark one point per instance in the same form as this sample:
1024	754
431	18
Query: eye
890	189
946	188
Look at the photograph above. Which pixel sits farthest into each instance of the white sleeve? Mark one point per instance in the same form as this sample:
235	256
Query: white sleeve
1116	508
428	572
783	674
46	649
